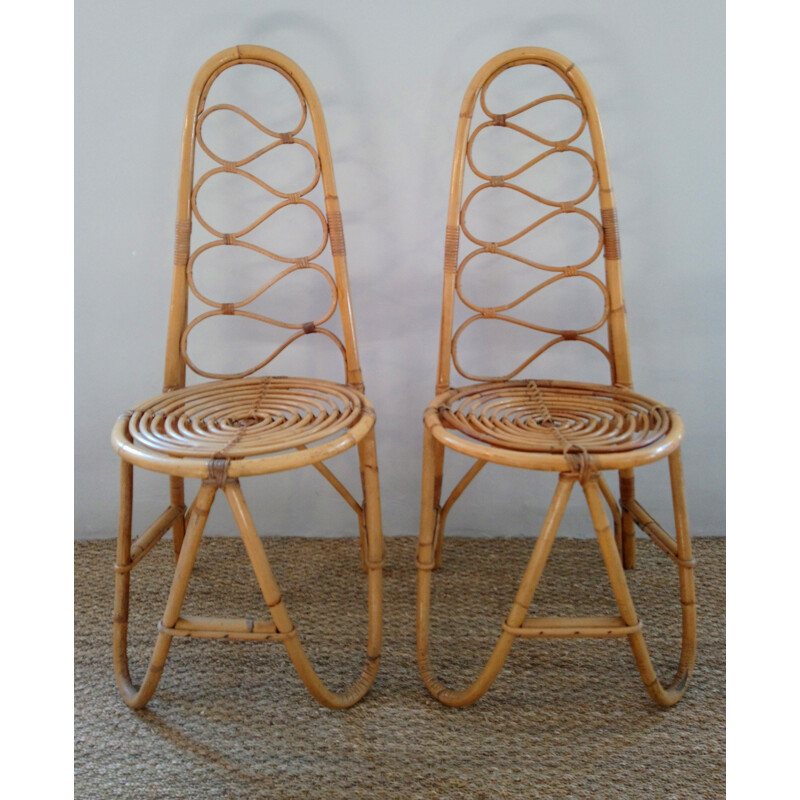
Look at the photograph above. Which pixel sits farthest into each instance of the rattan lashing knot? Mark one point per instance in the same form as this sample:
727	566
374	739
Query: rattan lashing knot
496	180
218	471
577	456
610	233
183	229
229	166
286	138
227	308
451	238
336	234
309	327
499	119
228	238
580	463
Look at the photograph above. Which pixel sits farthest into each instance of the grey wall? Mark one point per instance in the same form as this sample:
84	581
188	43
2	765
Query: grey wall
391	76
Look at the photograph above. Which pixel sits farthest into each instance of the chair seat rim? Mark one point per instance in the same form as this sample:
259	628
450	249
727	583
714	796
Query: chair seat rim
461	441
288	458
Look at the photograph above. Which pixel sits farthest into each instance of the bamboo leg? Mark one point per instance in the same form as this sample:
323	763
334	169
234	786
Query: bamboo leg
359	509
664	696
176	497
519	609
133	696
369	522
626	492
363	543
375	554
274	600
438	475
426	546
614	509
442	510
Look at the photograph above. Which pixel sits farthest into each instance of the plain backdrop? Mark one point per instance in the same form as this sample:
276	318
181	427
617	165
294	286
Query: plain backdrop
391	76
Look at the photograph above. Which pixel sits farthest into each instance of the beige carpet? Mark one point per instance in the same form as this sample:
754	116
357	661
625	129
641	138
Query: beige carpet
565	719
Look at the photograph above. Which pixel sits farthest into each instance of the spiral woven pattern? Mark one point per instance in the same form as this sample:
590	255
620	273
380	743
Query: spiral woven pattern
247	417
544	417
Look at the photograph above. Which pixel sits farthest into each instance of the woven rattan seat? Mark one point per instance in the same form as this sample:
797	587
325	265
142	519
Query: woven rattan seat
243	422
577	429
246	417
546	417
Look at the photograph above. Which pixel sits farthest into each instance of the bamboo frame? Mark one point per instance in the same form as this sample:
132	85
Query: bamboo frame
575	429
240	425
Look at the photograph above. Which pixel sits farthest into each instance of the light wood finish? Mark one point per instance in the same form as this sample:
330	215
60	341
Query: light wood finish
575	429
242	424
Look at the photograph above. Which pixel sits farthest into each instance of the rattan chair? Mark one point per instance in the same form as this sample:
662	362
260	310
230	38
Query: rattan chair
239	425
578	430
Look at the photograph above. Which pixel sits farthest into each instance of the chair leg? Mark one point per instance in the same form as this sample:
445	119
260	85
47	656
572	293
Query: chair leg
370	529
176	498
375	556
626	493
426	546
438	474
274	600
669	695
137	697
523	599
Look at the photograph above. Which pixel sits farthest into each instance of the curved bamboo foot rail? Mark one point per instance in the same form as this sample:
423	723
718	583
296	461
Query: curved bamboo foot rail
281	629
517	624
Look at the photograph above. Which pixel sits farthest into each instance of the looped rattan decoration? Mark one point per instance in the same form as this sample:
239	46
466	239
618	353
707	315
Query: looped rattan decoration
578	430
555	147
242	425
237	238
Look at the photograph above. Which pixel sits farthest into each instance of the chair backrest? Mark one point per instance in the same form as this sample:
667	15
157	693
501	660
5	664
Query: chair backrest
207	241
570	147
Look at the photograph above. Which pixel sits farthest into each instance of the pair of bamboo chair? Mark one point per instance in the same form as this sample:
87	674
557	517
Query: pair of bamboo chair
237	425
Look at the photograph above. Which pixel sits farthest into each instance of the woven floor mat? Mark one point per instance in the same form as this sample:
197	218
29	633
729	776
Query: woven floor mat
565	719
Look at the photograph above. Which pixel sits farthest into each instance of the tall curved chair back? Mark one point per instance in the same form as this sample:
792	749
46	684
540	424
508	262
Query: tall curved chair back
564	174
198	235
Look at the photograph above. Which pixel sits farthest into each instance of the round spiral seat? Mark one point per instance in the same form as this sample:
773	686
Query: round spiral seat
555	417
234	419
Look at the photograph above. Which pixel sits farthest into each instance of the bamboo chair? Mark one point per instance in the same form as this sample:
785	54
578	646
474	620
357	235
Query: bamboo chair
241	425
578	430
